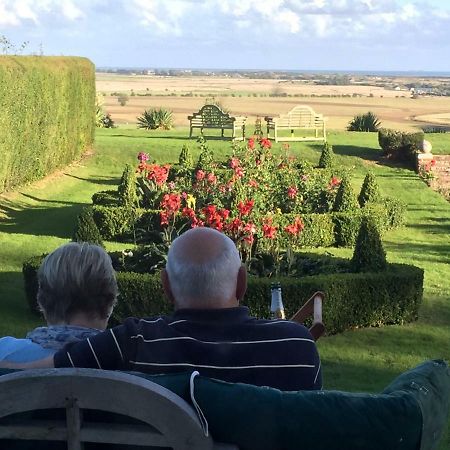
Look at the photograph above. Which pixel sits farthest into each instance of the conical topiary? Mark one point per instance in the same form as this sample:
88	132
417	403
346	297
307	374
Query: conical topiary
185	158
127	188
86	229
345	197
369	254
327	157
370	191
206	157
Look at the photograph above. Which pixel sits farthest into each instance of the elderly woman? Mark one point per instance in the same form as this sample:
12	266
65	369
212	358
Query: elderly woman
77	292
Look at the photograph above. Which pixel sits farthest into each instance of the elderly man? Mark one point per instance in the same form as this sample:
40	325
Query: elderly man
208	332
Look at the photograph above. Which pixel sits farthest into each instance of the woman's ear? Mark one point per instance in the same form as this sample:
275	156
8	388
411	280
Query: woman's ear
166	286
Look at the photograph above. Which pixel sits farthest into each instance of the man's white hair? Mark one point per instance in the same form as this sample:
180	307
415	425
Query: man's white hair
202	266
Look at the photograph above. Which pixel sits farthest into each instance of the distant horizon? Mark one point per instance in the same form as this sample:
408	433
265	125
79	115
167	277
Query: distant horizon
434	73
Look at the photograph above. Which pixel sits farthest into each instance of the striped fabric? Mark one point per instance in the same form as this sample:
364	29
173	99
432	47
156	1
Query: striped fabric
226	344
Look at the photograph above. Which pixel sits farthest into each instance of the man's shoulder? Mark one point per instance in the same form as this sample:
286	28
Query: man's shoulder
282	328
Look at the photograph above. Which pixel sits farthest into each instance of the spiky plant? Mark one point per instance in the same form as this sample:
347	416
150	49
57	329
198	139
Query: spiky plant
364	122
370	191
327	157
345	197
369	254
156	119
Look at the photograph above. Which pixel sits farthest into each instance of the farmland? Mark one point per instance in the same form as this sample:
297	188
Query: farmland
261	97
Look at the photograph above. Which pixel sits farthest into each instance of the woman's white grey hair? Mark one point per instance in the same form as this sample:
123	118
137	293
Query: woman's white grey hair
203	280
76	277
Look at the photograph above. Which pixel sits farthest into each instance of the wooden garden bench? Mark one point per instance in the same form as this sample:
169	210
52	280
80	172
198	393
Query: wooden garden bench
150	415
212	117
302	122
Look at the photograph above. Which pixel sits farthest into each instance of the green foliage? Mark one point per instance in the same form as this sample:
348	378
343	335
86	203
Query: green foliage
327	157
390	297
400	146
156	119
370	191
345	198
369	254
206	157
47	118
115	221
86	229
127	188
185	158
123	99
29	272
346	226
395	210
364	122
106	198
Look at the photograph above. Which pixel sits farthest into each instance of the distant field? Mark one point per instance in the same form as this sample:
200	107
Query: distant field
250	97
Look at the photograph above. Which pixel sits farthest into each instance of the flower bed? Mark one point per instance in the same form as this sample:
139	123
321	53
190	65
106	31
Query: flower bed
263	201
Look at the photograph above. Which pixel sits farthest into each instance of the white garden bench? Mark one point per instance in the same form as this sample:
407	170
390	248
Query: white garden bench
303	123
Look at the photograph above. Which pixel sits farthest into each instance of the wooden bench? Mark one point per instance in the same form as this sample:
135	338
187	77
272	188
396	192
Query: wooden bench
212	117
130	411
309	125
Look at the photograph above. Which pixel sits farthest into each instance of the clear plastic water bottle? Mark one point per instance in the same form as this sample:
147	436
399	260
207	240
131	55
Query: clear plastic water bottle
276	304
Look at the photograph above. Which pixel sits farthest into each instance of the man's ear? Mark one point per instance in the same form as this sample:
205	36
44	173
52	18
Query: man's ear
241	284
166	285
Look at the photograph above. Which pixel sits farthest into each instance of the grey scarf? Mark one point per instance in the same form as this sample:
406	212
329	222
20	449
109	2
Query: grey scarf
56	337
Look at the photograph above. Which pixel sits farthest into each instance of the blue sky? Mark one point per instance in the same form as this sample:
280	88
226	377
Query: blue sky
253	34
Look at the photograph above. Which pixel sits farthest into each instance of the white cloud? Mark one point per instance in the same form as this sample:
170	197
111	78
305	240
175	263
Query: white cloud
70	11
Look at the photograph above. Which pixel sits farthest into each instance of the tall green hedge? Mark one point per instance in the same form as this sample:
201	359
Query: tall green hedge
47	117
352	299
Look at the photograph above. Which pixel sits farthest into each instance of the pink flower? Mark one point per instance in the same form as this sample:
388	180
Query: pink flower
200	175
239	172
296	228
142	157
292	192
234	162
251	144
265	143
253	183
211	178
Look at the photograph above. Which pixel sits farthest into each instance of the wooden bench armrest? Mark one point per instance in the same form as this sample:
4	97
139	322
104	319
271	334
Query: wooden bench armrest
312	307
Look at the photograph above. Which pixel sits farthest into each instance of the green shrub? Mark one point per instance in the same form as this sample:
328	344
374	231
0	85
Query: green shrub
47	117
369	254
106	198
127	188
352	300
345	198
86	229
395	210
185	158
364	122
327	157
370	191
206	156
115	221
400	146
156	119
346	226
29	272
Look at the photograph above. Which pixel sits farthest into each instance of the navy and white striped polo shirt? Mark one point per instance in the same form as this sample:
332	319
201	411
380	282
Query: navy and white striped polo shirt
226	344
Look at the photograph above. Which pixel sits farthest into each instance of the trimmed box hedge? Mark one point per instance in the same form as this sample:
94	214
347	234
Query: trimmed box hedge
47	118
353	300
321	230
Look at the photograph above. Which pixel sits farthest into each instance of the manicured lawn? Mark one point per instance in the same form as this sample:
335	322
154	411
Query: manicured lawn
41	217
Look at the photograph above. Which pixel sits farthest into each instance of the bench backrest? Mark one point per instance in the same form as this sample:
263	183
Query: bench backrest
301	116
156	416
212	115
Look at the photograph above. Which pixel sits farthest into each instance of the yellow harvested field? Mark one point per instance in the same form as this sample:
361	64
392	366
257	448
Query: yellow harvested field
250	97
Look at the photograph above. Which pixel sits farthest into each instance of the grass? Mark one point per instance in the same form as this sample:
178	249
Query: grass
40	217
